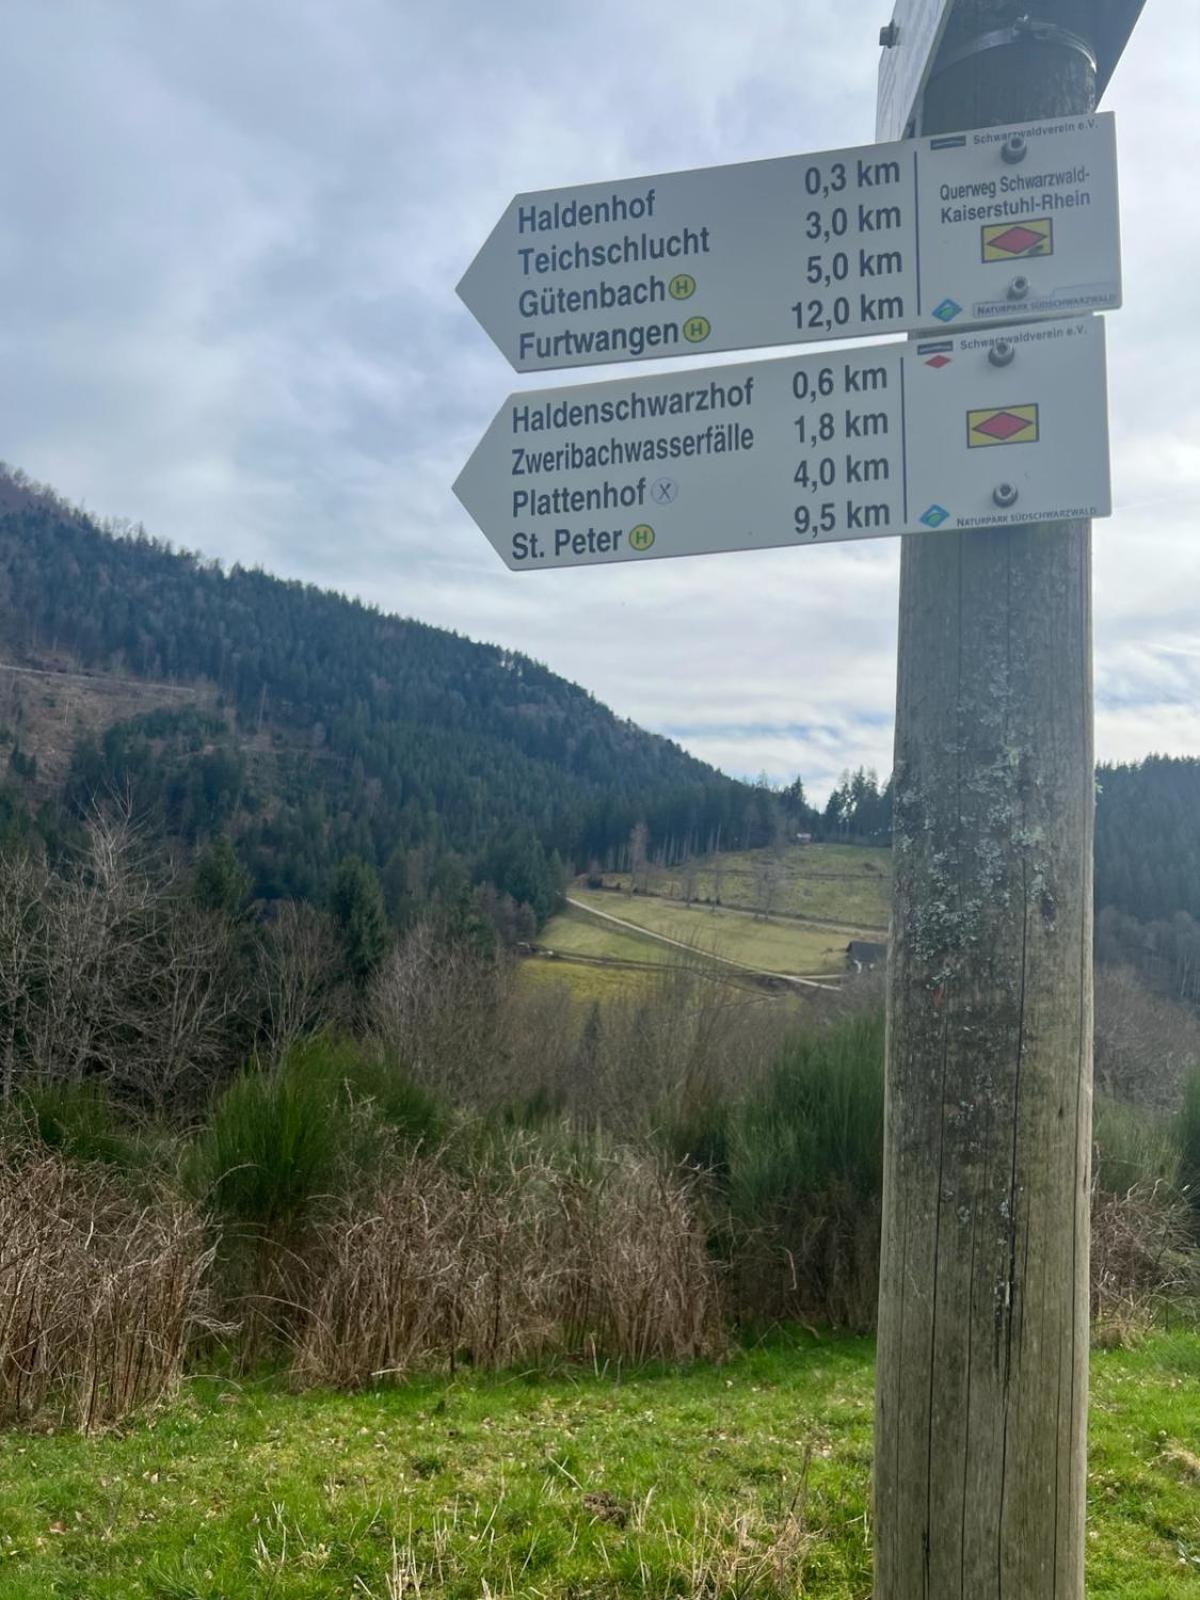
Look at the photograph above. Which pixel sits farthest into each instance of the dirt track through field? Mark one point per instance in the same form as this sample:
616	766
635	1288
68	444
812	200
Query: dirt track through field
680	944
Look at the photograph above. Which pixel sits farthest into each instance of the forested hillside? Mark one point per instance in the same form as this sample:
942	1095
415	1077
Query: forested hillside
1148	837
309	727
328	728
1148	870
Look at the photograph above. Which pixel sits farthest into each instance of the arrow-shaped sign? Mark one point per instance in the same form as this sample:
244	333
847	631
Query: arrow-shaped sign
956	431
968	229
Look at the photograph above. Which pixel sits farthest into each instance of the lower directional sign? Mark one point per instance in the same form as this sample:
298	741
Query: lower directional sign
967	430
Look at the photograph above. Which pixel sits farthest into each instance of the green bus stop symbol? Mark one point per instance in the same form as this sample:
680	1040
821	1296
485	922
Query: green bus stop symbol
682	286
641	537
697	329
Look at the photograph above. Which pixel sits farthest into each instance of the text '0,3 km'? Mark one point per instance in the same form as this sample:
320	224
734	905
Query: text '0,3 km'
957	431
969	229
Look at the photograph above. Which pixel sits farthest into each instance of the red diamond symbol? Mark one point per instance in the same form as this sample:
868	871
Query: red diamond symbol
938	361
1003	425
1016	240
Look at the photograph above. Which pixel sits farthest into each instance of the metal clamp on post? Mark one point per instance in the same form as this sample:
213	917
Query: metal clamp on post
1025	30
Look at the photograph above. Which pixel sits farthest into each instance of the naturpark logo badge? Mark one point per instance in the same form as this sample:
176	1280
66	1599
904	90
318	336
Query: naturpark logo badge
1002	425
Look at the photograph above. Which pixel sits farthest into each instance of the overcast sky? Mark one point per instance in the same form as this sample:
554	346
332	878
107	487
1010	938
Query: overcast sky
230	232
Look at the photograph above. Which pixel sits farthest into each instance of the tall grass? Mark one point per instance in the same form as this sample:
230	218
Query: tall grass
78	1120
270	1150
510	1258
281	1140
1188	1132
609	1187
1133	1146
805	1178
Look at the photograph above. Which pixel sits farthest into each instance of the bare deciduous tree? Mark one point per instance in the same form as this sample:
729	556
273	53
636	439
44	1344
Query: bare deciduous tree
434	1004
301	959
109	972
687	880
639	840
1146	1043
23	883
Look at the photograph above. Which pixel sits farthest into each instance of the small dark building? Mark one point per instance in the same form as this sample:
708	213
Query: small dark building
862	956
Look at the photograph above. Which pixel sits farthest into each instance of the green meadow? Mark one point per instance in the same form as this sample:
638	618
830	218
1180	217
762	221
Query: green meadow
738	1480
844	883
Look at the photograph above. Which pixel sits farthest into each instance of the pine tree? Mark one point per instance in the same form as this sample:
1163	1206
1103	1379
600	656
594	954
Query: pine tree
357	905
219	881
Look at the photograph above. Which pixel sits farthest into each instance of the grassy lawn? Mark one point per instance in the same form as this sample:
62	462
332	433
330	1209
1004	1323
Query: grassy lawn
843	883
777	945
582	981
575	933
747	1479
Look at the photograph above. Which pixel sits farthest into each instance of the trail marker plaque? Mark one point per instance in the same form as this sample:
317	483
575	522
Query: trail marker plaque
955	430
1003	224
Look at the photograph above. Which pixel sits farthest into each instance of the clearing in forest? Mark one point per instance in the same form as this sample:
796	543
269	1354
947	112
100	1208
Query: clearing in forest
848	884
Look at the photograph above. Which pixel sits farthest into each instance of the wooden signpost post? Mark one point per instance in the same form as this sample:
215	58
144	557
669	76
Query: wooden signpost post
981	1390
980	1445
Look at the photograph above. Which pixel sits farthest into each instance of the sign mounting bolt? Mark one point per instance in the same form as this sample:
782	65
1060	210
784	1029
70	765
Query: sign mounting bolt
1014	149
889	36
1001	354
1018	288
1005	495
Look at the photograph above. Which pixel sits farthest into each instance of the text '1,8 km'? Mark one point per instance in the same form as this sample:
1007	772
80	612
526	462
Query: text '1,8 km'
1000	225
957	431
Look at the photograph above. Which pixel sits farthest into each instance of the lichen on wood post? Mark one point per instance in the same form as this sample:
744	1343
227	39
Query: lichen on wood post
981	1398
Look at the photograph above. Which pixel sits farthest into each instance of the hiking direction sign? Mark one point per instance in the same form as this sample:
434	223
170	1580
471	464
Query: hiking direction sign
998	225
962	430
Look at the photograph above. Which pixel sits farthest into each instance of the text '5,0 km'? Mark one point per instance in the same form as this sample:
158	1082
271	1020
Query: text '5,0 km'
1000	225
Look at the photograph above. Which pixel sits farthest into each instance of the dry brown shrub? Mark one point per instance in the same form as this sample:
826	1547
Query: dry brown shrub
434	1269
513	1259
643	1286
1143	1257
1146	1043
98	1293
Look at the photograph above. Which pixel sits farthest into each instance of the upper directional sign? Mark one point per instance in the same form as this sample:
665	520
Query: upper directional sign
959	430
970	228
917	28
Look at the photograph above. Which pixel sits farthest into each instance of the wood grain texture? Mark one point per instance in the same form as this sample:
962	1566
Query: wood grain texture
982	1369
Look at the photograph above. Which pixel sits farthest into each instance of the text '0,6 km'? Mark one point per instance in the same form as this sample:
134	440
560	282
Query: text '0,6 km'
956	431
1001	225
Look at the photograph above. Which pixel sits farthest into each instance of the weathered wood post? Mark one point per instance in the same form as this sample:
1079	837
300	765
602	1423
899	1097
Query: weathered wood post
981	1402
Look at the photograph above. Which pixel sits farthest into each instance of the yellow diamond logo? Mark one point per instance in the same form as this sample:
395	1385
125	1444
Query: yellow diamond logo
1002	425
1013	241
